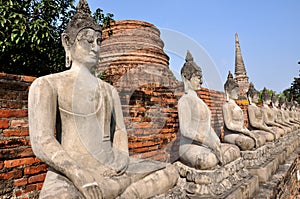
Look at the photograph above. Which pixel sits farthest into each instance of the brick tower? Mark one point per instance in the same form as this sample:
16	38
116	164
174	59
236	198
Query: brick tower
240	70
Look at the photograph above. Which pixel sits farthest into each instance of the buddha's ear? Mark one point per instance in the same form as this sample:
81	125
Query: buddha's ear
227	96
186	83
65	40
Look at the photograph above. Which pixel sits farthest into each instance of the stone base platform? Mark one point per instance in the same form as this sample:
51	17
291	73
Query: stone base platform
260	162
270	188
265	171
229	181
265	160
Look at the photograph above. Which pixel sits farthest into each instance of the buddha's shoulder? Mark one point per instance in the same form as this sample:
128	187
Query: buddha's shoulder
54	81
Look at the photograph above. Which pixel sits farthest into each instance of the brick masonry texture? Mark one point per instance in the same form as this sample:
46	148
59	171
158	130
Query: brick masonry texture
21	173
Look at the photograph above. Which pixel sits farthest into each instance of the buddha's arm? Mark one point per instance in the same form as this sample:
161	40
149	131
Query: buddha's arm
266	118
42	117
254	121
120	139
42	104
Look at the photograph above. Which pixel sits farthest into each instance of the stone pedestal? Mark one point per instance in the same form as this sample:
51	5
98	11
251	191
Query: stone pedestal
229	181
260	161
265	160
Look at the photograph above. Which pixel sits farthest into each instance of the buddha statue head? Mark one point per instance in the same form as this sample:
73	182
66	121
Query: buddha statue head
231	88
252	94
289	105
274	100
82	33
191	74
281	102
265	97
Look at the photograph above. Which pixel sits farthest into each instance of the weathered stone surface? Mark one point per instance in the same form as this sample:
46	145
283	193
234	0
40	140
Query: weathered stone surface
229	181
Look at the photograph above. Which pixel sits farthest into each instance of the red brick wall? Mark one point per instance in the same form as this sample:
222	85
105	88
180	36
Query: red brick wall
21	173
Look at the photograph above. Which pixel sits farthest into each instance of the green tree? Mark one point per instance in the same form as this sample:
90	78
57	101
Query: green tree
293	93
30	33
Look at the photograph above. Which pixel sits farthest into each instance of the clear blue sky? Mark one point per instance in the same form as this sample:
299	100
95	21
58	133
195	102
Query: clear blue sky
269	33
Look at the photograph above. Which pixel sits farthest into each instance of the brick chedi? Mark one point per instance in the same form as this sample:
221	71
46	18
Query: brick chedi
132	59
131	47
240	70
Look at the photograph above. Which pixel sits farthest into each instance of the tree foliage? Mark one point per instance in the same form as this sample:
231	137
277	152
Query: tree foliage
293	93
30	33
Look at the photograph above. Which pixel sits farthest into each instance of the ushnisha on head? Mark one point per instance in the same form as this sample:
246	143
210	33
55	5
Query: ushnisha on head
252	94
231	88
265	96
191	73
80	21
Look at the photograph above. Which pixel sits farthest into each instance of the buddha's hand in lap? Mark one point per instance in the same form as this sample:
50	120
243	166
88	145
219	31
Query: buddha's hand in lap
218	152
256	139
86	184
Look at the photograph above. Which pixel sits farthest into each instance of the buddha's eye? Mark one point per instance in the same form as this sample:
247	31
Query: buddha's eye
99	41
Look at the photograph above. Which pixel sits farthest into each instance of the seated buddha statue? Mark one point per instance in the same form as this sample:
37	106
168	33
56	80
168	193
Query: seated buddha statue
200	147
290	114
268	114
283	112
234	128
277	114
256	121
76	127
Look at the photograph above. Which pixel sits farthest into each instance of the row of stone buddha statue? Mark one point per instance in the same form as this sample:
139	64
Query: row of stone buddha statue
77	127
200	146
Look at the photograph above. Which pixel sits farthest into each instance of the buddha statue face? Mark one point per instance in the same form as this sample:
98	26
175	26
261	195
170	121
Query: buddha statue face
234	94
266	97
268	101
276	103
231	88
195	81
86	49
255	98
252	94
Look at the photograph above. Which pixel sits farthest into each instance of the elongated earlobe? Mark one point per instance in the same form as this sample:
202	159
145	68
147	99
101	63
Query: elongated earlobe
68	59
227	96
66	44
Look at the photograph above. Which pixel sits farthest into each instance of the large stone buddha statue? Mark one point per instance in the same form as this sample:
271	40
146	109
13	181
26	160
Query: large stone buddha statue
76	126
200	147
234	128
256	120
268	114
